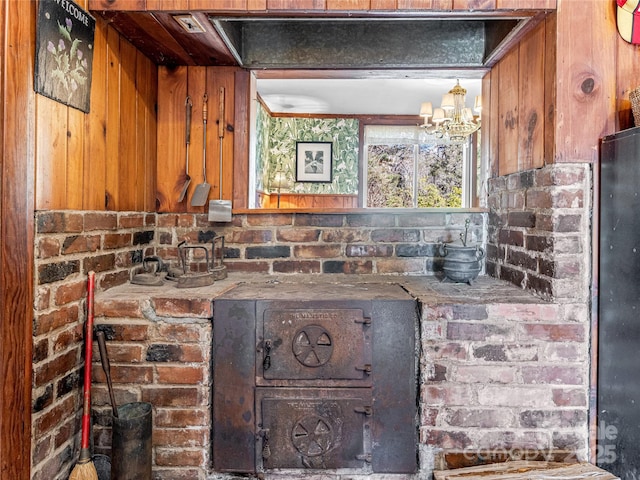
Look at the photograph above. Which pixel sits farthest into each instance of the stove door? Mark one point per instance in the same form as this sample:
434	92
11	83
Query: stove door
313	428
315	344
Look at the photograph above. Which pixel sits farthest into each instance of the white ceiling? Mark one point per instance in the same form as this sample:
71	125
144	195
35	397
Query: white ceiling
380	96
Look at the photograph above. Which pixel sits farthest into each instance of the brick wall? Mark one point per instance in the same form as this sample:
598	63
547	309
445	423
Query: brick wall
503	374
69	244
539	230
393	244
498	378
160	352
507	379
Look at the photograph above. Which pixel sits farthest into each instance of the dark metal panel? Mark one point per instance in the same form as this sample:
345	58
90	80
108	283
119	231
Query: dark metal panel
363	44
394	387
233	385
328	375
315	344
369	423
313	428
618	448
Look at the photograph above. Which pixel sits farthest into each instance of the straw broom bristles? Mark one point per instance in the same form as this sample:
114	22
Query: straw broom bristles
84	468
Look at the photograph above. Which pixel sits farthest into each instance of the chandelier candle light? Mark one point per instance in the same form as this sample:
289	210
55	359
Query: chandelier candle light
452	120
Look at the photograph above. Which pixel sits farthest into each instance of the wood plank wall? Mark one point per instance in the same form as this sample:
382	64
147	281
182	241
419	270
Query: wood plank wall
554	97
106	159
262	5
586	82
513	124
174	86
307	200
17	163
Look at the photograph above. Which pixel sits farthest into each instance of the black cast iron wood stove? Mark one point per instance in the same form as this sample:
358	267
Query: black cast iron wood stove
315	377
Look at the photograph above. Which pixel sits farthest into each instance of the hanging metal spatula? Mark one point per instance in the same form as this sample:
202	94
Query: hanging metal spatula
201	192
187	137
220	210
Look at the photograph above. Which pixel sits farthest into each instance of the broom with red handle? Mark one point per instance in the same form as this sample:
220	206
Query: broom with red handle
84	468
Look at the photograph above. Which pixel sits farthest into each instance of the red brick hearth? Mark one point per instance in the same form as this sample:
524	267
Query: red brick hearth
501	372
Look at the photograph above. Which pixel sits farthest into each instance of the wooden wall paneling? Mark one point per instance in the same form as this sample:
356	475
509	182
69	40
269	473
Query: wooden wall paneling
474	4
256	5
383	5
140	83
487	143
144	28
51	151
197	87
216	78
127	160
296	5
171	144
117	5
550	65
585	97
285	202
330	201
494	121
348	4
526	4
508	128
112	178
175	5
241	134
299	201
17	167
628	75
75	158
417	4
531	104
95	155
150	98
296	201
220	5
75	153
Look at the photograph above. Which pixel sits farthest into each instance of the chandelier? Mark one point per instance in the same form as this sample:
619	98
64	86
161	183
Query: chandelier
453	120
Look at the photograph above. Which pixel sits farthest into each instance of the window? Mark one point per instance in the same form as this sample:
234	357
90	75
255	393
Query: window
406	168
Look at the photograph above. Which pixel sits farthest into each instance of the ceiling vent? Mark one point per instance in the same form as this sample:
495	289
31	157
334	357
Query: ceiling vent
189	23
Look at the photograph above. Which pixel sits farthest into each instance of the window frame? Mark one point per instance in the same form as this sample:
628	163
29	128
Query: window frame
469	163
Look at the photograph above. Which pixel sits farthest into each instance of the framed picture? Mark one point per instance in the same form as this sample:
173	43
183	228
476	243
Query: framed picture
314	162
64	53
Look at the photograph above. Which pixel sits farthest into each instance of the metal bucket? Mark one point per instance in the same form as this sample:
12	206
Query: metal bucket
461	264
103	466
131	442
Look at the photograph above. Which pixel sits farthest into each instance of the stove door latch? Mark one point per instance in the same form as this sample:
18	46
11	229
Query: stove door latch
266	450
266	362
364	456
366	410
366	368
364	321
